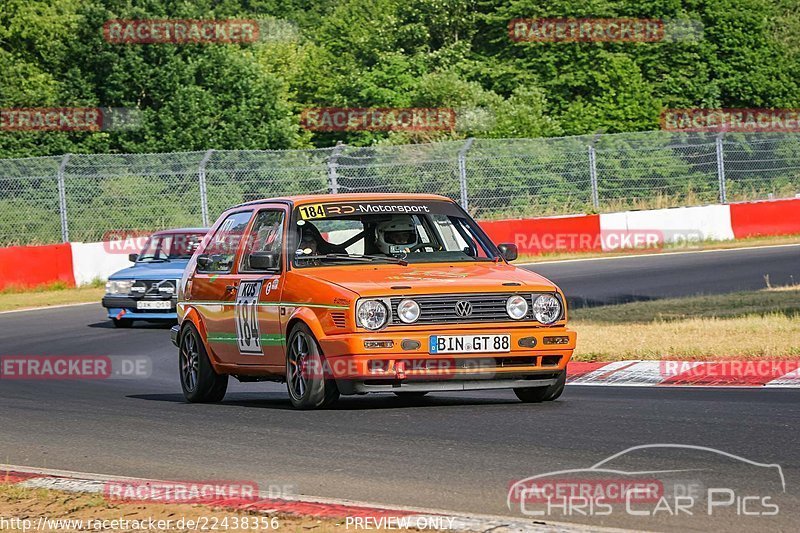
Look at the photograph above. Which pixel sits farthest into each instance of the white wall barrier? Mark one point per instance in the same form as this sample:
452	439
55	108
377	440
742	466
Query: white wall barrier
681	225
93	260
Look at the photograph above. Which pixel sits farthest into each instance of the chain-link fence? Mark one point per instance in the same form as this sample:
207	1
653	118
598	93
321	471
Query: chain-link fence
81	197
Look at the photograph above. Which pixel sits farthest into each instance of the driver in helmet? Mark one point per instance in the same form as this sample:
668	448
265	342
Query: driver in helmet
396	236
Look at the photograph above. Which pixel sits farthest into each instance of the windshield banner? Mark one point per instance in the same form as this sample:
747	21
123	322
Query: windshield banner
333	210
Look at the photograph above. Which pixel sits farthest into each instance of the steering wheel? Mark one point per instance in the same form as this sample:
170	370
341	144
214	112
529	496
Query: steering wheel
420	246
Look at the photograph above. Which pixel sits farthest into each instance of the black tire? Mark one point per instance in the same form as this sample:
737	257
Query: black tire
122	322
308	379
543	394
199	382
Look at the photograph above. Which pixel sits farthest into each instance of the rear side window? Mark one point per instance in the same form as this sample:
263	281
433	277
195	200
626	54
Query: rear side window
222	246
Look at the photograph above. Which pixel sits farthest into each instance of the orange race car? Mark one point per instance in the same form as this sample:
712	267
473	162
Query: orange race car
349	294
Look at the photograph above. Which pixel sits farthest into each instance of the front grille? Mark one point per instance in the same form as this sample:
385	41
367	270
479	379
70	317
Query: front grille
149	289
442	309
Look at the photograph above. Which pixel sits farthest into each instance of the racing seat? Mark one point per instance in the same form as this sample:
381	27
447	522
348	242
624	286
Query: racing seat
310	231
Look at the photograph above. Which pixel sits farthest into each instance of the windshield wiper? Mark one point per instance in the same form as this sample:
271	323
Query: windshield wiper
386	258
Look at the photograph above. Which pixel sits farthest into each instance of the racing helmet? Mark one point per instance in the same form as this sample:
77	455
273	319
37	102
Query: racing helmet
397	235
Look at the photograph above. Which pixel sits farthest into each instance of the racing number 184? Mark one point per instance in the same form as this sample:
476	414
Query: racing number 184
248	336
312	211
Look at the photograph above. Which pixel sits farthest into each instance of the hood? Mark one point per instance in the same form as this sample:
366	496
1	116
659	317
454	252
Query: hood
171	270
382	280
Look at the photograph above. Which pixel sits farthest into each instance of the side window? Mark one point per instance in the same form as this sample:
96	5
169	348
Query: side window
266	236
221	248
457	236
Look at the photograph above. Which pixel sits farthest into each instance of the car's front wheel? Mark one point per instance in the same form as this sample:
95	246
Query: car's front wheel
308	380
199	381
543	394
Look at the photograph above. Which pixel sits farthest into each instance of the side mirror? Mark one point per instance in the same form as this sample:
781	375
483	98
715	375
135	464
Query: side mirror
133	257
264	261
203	261
508	251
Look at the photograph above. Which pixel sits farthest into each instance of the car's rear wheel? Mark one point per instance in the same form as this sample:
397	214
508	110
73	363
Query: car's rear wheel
199	381
308	380
543	394
122	322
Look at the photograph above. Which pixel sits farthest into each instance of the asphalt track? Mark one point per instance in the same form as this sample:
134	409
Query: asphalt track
457	451
622	279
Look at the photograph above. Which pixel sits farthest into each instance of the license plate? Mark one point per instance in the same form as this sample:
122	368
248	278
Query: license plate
469	343
154	305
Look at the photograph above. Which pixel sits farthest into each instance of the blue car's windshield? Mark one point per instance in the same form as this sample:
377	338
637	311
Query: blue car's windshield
169	246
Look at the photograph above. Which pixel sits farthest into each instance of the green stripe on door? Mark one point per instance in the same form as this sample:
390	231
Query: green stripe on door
266	304
230	338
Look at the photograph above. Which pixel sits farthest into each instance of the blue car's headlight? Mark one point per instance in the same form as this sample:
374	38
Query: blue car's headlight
118	287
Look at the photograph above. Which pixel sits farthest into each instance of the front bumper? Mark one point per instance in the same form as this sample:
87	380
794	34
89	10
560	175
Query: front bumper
361	387
125	307
408	365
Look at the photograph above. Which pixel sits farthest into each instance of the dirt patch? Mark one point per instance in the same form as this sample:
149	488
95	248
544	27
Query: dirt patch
51	510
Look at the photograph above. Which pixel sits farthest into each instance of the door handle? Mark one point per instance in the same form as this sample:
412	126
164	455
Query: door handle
231	288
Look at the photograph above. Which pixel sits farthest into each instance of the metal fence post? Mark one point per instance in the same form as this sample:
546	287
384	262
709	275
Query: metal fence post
333	176
201	175
462	172
593	176
723	193
62	199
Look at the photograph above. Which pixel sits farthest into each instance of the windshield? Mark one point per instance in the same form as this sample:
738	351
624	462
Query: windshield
398	232
169	246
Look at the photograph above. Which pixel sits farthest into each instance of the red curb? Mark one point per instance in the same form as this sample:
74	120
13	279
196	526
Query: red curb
758	372
286	507
666	373
12	478
576	369
321	510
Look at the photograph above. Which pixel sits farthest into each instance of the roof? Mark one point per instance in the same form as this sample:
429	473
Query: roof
350	197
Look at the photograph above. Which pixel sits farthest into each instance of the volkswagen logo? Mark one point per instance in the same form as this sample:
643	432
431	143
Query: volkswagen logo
463	308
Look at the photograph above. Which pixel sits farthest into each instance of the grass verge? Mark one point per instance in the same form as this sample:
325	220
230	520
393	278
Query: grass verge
10	301
764	324
703	245
84	510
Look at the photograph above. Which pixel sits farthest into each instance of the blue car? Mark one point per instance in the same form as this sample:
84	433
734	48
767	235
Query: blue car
148	290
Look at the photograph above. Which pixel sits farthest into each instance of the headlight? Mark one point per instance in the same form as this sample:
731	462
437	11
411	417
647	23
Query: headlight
372	314
166	288
139	287
408	311
118	286
546	308
517	307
